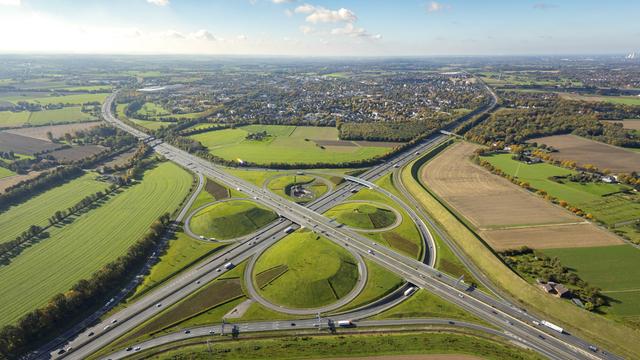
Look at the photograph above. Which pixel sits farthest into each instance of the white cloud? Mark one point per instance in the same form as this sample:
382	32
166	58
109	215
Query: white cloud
353	31
10	2
435	6
306	29
154	2
288	12
242	37
319	14
282	1
173	34
202	34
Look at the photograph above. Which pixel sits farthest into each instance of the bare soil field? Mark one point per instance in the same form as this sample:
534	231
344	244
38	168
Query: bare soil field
23	144
40	132
120	160
506	215
77	152
550	237
627	124
484	199
378	143
585	151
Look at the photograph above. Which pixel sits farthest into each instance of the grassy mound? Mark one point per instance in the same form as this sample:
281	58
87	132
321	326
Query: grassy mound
318	272
362	215
230	219
284	185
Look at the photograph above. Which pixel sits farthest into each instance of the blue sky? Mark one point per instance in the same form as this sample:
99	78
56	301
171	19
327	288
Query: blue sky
320	27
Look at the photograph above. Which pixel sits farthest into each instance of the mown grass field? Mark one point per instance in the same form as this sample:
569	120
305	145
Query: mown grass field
75	99
617	337
362	215
77	250
601	200
285	144
13	119
39	209
66	114
152	109
4	172
626	100
231	219
453	346
614	269
319	272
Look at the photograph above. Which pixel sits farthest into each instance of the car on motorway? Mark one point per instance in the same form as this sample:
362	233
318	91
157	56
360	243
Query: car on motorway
293	324
107	327
114	321
541	337
61	351
90	334
593	348
187	331
137	348
158	305
129	348
211	332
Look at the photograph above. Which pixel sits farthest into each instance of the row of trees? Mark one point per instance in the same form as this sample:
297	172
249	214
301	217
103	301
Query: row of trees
55	317
537	115
27	188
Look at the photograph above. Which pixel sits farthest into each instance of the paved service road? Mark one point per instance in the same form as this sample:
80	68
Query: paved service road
497	312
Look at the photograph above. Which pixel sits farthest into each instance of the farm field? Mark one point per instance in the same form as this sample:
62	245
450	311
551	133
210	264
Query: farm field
604	201
64	115
549	237
626	100
285	144
317	272
507	215
74	99
362	215
24	145
613	269
37	210
9	181
486	200
77	250
77	152
40	132
10	119
585	151
230	219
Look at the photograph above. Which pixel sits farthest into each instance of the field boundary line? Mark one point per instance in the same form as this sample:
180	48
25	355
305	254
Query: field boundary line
584	222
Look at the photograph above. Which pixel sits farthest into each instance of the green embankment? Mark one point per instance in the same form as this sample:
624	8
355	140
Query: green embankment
230	219
318	272
77	250
362	215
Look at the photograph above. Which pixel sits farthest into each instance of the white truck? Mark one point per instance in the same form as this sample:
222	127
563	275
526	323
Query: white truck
552	326
229	265
288	230
345	323
409	291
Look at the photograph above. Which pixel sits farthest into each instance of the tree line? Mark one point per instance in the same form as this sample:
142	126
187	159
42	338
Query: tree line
86	295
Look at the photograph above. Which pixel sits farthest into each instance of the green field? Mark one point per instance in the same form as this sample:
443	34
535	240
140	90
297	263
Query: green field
318	272
13	119
602	200
362	215
282	185
379	346
4	172
284	144
77	250
230	219
152	110
38	209
67	114
75	99
614	269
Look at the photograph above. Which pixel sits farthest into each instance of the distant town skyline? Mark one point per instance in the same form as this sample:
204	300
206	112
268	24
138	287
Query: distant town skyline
320	27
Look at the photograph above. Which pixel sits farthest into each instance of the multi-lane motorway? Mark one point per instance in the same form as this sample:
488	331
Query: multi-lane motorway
513	321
